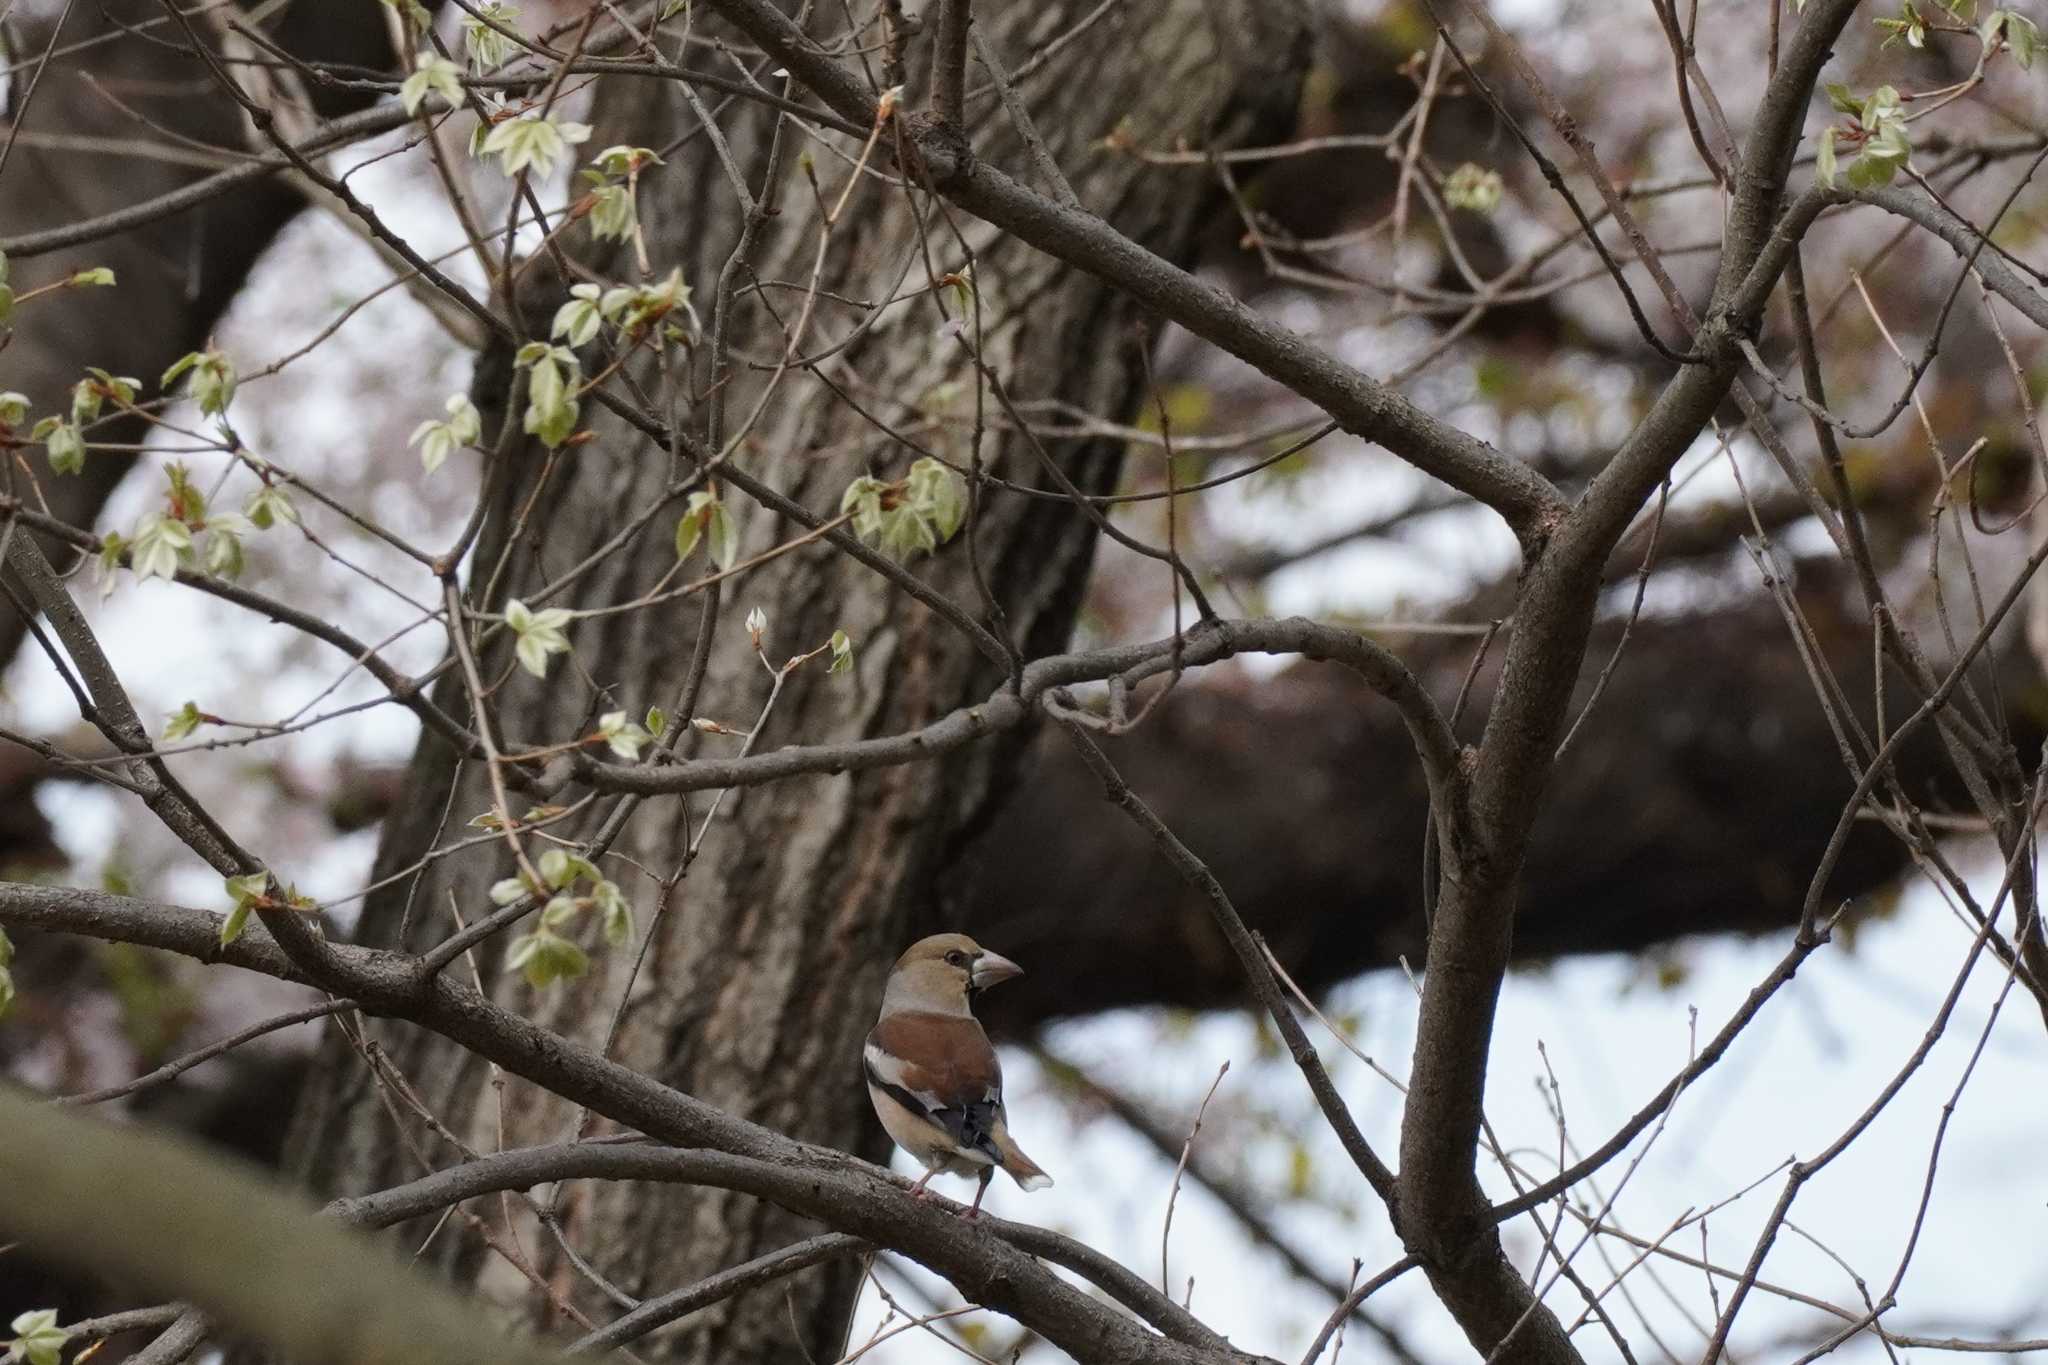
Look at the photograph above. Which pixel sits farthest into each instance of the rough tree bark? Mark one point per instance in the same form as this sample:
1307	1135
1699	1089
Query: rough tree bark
766	961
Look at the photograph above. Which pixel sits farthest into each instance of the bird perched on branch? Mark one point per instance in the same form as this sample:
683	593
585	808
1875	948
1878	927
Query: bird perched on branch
932	1072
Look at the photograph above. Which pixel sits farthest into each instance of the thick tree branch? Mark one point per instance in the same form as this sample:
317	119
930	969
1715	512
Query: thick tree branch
115	717
272	1270
1444	1214
949	72
839	1190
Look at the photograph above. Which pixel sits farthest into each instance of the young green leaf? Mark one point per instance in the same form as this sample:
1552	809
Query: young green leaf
545	957
939	495
619	159
613	213
2022	36
1473	188
725	538
246	892
511	888
38	1340
906	533
556	869
437	440
616	911
183	722
690	529
863	498
211	383
89	394
223	555
553	375
412	13
635	308
705	513
250	886
435	75
112	547
187	500
159	546
578	319
231	928
539	635
624	736
533	142
66	446
481	39
268	506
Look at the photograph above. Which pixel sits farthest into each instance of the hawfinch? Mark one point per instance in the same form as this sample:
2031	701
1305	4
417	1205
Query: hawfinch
931	1071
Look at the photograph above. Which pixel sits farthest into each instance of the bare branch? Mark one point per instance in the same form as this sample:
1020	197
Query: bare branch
842	1191
1264	987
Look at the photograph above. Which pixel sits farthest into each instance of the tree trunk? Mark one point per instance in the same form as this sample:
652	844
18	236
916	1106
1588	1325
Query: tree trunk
764	964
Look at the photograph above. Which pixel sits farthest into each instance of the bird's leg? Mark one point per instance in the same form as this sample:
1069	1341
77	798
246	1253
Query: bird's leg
917	1191
988	1173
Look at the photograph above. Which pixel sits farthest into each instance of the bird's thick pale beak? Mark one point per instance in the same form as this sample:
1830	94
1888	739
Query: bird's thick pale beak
991	968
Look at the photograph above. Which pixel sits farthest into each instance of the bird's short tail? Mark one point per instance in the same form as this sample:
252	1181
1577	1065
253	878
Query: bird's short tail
1022	1168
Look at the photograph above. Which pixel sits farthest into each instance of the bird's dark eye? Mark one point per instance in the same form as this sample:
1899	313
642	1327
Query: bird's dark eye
957	958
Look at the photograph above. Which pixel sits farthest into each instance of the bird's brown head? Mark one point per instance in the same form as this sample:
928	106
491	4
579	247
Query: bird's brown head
945	972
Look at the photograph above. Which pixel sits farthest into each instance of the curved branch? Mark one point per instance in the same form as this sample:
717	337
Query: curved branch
1527	501
659	1312
1445	1214
339	132
527	1167
842	1191
1967	242
1197	874
272	1270
1364	407
1208	643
